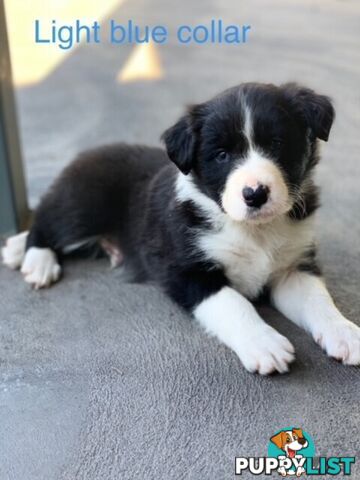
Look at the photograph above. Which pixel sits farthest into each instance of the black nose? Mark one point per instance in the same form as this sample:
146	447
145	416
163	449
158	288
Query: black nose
302	440
256	198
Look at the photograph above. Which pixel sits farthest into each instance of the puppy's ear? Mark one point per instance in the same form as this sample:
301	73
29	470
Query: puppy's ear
298	432
180	143
279	440
315	110
180	139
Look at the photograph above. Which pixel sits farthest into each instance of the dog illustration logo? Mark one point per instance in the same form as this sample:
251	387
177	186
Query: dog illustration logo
291	442
291	453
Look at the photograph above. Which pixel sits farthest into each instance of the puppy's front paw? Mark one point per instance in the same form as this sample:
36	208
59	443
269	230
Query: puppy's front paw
341	340
40	267
266	351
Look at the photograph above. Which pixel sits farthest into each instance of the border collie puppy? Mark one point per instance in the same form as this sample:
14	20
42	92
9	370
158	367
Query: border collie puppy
226	214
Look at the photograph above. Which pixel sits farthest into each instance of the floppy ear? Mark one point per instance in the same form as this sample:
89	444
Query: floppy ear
180	143
315	110
298	432
279	440
181	139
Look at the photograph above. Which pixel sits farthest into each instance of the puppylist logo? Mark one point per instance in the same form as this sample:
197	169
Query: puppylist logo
291	453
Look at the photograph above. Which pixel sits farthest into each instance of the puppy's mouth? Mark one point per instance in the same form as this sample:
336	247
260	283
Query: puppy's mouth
263	214
291	453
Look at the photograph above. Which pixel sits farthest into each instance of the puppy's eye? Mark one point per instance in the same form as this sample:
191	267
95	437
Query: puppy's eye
222	157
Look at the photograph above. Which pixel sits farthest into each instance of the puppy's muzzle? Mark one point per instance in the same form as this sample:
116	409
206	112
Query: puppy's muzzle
255	190
256	197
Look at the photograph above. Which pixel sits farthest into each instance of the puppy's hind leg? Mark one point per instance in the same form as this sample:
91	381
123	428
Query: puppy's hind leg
14	250
57	231
87	202
40	266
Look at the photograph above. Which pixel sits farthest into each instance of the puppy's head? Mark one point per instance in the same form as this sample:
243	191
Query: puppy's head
252	148
291	441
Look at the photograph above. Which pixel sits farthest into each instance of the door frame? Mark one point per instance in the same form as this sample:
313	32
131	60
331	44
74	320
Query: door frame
14	210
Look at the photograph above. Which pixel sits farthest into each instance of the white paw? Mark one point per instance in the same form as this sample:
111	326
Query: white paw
14	250
341	340
40	267
266	351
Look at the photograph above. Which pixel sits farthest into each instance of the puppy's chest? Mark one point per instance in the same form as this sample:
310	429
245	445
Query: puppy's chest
252	257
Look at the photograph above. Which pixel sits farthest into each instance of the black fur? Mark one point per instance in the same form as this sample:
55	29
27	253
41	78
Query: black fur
88	198
308	204
127	193
308	262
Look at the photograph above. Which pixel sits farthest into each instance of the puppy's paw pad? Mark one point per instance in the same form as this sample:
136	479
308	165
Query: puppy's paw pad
267	352
341	340
40	267
14	250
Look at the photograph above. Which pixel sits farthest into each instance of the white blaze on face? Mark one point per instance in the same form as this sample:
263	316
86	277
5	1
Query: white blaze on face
293	446
256	170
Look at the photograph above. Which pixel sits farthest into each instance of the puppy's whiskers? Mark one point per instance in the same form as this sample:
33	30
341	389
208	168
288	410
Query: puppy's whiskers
297	195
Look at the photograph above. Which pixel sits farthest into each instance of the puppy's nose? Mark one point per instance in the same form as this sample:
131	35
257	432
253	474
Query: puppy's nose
256	197
302	440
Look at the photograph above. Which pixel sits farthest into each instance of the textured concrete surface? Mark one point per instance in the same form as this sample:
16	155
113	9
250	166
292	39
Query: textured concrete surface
102	379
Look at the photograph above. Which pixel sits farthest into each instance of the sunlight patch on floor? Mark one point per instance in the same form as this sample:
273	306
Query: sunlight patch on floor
143	64
32	62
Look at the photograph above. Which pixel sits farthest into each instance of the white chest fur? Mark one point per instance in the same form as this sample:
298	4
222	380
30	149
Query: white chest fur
253	256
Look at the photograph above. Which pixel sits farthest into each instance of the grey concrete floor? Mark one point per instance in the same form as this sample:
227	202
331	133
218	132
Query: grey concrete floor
102	379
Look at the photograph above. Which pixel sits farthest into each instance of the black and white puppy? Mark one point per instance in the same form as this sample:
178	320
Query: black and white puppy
231	216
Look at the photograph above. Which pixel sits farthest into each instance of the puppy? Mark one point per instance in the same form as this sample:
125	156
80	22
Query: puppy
224	214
